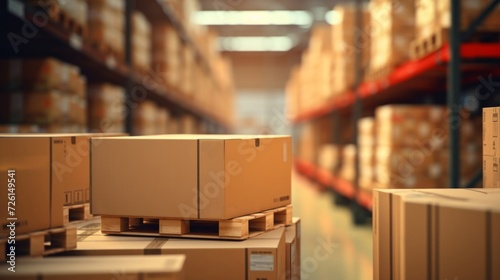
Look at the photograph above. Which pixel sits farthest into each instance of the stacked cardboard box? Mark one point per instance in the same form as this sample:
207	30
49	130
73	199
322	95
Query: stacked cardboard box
106	26
293	94
348	170
44	92
491	157
434	17
107	108
393	26
145	118
141	42
307	143
346	46
98	268
166	54
274	255
329	158
366	148
436	234
187	76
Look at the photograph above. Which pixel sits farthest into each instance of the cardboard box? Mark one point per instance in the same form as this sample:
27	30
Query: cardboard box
98	268
190	176
293	250
491	126
431	234
491	177
262	257
52	170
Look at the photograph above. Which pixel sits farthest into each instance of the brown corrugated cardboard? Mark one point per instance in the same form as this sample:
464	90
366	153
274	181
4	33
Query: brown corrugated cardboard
51	170
433	233
292	240
262	257
491	125
98	268
190	176
491	177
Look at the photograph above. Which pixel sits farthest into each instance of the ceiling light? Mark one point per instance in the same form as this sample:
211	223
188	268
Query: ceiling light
283	17
256	43
333	17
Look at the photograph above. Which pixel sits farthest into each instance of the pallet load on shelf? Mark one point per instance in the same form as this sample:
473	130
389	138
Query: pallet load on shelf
72	16
330	158
412	147
347	171
433	23
106	27
149	119
44	92
393	26
346	46
98	268
366	148
436	234
491	125
292	94
184	10
141	42
307	144
106	108
166	54
187	75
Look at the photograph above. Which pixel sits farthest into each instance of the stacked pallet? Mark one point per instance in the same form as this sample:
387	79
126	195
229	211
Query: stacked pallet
141	42
106	27
366	148
107	108
433	22
44	92
393	26
436	234
346	46
412	151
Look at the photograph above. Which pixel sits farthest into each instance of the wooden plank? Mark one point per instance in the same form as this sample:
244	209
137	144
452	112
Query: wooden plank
76	213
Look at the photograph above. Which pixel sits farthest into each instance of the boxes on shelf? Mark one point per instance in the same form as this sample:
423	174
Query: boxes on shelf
141	42
106	26
145	118
262	257
366	148
106	108
99	268
347	171
55	172
346	46
415	233
393	26
167	53
201	176
329	158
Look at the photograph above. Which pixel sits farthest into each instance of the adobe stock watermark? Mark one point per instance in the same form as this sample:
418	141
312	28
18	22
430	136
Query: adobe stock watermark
324	250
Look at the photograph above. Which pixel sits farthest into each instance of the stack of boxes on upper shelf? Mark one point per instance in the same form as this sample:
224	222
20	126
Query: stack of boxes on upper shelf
198	186
42	94
390	34
162	60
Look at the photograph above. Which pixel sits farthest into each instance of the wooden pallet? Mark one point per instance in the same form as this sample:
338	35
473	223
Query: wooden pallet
41	243
233	229
76	213
423	46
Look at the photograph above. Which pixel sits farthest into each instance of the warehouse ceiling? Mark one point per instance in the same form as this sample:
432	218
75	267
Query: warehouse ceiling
263	38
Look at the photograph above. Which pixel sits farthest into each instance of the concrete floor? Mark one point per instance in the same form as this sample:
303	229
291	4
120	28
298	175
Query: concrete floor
332	247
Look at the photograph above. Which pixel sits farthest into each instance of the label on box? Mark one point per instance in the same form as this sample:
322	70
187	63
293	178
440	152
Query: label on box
262	262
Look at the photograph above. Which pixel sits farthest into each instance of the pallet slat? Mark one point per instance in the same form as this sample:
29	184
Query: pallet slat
235	229
76	213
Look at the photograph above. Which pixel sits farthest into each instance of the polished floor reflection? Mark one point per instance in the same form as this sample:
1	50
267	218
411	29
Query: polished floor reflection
332	247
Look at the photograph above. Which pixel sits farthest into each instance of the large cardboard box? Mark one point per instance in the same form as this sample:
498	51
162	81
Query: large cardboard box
51	170
262	257
190	176
98	268
490	172
293	250
491	126
432	234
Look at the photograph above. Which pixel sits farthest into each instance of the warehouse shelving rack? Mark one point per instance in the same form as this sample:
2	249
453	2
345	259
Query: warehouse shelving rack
456	64
48	38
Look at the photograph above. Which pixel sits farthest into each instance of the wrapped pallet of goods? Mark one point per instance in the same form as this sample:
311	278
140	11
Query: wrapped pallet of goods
393	26
106	108
433	23
366	148
346	46
166	54
106	27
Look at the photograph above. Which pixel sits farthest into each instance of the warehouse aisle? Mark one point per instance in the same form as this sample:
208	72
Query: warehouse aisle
332	248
